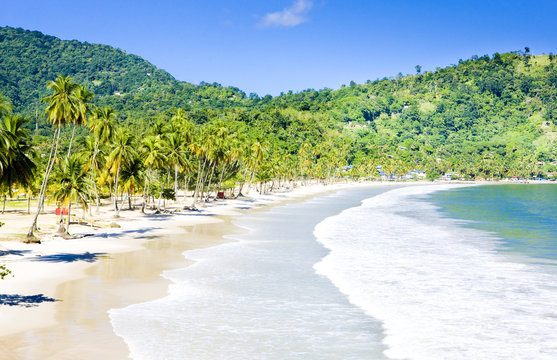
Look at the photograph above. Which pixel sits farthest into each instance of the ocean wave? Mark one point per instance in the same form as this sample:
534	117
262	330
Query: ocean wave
441	291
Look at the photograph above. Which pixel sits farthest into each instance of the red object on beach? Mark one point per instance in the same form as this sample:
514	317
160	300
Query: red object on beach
64	211
57	211
220	195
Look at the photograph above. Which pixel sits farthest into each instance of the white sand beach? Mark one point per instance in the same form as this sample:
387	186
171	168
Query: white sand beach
48	288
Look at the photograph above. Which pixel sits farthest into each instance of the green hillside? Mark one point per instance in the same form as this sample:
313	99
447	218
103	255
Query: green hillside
489	116
28	59
484	111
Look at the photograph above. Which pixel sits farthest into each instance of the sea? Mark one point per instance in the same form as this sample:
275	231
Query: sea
383	272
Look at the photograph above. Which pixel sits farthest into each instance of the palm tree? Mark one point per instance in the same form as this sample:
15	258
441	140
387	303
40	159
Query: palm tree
61	110
258	153
18	166
122	152
152	148
176	155
103	128
303	151
5	138
199	148
133	176
72	187
83	109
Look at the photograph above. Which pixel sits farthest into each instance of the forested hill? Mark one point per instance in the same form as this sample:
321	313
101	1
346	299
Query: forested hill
481	111
29	59
489	115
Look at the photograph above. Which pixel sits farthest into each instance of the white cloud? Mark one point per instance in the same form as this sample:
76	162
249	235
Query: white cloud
288	17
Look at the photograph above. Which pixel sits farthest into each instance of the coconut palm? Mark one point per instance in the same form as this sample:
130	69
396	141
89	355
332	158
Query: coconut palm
18	166
71	187
258	152
5	138
132	175
83	108
175	154
103	127
122	153
154	157
61	111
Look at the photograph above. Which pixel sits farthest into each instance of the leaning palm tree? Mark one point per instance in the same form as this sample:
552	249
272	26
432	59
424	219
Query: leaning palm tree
72	187
61	111
122	152
83	109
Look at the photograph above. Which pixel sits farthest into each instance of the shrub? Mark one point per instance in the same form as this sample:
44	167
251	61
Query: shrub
4	271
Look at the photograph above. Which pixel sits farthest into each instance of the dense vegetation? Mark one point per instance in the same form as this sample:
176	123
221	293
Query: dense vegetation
127	126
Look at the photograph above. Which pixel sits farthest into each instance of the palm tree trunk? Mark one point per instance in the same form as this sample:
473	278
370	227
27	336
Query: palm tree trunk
129	200
4	207
203	184
69	217
186	181
162	188
29	204
96	193
221	176
209	183
117	212
250	180
199	175
51	160
176	179
71	142
94	173
146	195
242	183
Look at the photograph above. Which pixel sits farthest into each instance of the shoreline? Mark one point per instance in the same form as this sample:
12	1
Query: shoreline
49	279
78	272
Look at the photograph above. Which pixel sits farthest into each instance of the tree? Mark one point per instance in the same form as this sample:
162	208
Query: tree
122	153
18	167
60	110
82	110
71	187
103	128
6	139
132	176
154	157
418	69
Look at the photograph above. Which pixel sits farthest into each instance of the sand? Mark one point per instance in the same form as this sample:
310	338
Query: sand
62	289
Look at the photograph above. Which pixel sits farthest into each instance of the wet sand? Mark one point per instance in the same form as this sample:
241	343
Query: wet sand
77	324
83	329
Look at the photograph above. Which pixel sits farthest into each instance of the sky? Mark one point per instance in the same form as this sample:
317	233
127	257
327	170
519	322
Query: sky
273	46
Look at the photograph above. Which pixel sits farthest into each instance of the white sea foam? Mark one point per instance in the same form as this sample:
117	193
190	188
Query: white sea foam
256	298
441	291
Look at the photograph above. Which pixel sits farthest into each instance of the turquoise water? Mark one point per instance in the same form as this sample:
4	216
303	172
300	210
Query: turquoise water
523	216
405	273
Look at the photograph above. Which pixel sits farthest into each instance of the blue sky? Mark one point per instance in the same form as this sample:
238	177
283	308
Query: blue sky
273	46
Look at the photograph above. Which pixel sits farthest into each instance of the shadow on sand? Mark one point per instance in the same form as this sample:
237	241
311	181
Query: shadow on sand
24	300
14	252
88	257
